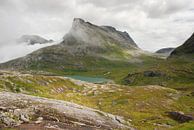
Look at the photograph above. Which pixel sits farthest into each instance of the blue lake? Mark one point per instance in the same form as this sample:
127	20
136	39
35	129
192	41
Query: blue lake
90	79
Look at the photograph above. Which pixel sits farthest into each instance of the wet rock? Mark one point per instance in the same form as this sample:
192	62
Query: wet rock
180	117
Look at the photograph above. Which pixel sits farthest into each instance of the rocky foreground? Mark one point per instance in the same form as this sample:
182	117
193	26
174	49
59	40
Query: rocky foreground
146	107
30	112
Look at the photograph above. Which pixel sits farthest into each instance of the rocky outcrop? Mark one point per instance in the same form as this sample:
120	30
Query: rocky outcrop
17	109
131	77
33	39
180	117
152	74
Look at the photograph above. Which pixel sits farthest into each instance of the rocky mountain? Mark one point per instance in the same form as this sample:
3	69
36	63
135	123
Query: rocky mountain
186	49
98	36
165	51
33	39
85	45
85	38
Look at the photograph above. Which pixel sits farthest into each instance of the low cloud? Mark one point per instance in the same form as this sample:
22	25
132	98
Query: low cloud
153	24
15	50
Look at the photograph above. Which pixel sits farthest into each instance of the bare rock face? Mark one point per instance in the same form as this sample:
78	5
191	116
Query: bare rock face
87	39
20	108
98	36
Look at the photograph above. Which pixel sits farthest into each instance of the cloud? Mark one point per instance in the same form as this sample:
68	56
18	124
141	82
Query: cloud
153	24
14	50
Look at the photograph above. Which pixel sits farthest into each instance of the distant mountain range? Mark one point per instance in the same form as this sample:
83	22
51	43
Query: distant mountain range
33	39
165	50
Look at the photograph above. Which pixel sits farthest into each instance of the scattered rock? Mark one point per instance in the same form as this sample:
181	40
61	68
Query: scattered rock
152	74
192	93
17	112
130	78
52	126
180	117
24	118
162	125
3	109
39	120
8	121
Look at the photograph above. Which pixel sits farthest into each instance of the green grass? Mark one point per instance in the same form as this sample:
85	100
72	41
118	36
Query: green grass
143	105
185	126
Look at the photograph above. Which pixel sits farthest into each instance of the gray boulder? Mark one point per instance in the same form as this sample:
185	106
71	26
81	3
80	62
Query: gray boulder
180	117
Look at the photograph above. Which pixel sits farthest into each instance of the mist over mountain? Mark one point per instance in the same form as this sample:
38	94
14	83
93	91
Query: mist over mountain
14	50
33	39
84	41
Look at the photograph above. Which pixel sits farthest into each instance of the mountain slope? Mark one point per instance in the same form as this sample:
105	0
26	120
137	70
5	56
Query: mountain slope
186	49
86	46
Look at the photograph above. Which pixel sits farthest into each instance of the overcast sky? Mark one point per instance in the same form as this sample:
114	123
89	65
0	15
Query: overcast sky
153	24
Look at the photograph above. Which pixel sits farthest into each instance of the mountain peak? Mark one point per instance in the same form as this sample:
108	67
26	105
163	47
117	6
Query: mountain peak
94	35
78	21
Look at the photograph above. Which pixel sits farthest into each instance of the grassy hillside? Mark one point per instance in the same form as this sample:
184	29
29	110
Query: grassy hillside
143	106
186	49
95	67
173	73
